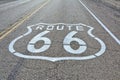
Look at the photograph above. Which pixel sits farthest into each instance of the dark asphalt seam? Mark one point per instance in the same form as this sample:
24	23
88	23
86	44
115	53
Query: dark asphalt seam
15	70
0	78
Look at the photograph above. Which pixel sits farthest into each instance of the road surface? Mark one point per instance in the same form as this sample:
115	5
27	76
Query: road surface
5	1
58	40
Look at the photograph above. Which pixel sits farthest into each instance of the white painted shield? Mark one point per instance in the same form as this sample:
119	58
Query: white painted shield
66	41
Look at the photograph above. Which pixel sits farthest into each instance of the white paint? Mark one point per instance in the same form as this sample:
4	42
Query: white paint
79	28
53	59
59	27
50	28
47	42
11	46
103	47
69	38
69	28
40	27
100	22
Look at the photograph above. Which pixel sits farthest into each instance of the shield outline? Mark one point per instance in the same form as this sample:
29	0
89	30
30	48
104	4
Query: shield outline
54	59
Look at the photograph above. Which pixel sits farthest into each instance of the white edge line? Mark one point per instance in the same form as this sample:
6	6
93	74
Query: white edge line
100	22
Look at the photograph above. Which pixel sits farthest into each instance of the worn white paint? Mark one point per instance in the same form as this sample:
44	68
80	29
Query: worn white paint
47	43
69	38
99	53
59	27
101	23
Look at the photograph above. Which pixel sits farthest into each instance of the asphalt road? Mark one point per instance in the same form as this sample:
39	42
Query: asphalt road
58	40
5	1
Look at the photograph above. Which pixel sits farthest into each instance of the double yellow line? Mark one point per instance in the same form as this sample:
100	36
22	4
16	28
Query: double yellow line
21	21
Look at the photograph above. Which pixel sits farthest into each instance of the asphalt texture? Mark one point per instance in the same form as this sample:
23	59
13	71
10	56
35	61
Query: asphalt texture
58	40
6	1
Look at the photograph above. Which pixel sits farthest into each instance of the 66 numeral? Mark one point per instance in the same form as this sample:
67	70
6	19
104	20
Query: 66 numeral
66	43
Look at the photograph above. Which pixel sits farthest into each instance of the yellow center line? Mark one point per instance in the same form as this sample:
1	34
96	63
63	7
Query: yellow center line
21	21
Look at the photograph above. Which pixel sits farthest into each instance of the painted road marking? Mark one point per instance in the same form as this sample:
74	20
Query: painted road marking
101	23
47	42
21	21
59	28
68	39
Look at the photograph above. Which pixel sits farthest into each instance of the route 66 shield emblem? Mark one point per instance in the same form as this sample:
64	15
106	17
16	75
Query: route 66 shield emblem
56	42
